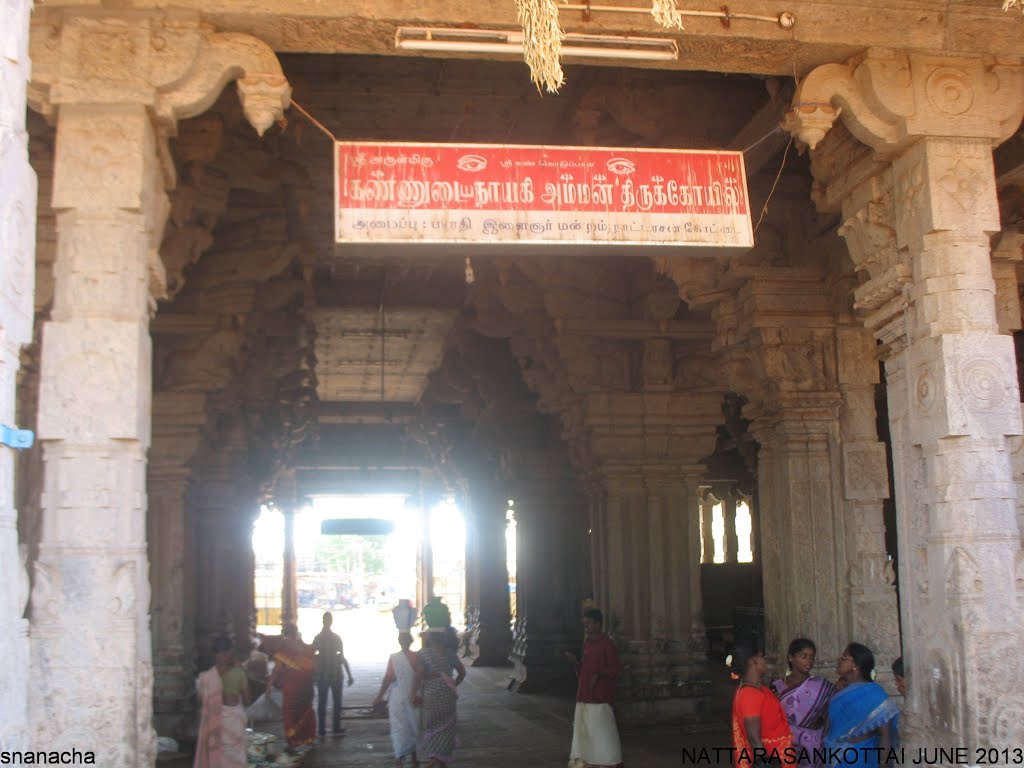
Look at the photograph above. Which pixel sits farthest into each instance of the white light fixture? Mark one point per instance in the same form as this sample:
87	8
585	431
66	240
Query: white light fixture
452	40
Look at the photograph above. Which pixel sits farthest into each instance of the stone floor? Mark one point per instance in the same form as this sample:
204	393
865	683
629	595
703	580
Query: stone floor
500	729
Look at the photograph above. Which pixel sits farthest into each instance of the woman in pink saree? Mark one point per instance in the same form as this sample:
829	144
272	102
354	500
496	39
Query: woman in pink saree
223	694
804	699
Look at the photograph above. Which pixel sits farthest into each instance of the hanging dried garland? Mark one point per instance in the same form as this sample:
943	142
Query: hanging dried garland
666	13
542	42
543	35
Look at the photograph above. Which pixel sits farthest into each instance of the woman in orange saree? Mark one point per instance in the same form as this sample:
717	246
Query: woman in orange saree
293	674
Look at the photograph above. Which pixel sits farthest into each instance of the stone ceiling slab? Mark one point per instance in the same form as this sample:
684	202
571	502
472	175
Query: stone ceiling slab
369	355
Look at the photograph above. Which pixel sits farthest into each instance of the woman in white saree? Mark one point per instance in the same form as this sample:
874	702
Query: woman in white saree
223	694
402	714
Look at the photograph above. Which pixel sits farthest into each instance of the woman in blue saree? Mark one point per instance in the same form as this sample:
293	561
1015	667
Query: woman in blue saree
860	715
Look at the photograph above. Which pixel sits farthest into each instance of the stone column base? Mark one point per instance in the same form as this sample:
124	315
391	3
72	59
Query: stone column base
661	682
492	647
540	666
173	701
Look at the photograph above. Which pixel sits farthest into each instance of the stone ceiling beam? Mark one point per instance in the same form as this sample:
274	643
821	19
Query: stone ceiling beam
638	329
357	481
824	32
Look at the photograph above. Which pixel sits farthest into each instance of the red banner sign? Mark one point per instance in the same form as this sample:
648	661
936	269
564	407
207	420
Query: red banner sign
482	193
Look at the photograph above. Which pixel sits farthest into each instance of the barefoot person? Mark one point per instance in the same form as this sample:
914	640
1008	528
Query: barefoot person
595	736
860	715
759	726
223	694
434	691
330	659
403	717
804	698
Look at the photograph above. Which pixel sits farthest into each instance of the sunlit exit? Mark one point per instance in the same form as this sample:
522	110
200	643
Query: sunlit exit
357	556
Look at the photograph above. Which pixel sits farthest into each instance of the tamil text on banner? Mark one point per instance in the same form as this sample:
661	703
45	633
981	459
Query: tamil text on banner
507	194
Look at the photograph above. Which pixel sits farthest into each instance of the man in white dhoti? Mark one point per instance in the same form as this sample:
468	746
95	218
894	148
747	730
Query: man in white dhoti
595	737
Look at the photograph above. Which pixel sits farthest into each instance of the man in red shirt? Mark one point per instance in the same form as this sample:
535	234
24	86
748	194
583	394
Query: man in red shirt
595	737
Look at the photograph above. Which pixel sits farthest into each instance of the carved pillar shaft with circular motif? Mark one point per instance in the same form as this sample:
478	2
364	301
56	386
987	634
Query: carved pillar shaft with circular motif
919	215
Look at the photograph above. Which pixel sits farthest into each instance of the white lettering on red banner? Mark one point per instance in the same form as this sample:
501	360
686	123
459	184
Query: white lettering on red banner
445	193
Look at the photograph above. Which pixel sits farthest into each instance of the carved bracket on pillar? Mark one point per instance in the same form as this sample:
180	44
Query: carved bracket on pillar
887	99
172	63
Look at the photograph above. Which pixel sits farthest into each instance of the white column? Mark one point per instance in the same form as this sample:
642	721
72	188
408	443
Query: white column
958	526
91	657
17	277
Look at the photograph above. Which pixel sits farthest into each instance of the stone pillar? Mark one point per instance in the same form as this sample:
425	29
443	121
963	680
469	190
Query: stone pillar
597	533
646	449
550	516
289	587
224	507
17	278
654	567
686	541
426	569
798	390
671	558
799	503
870	579
919	228
732	543
177	418
488	505
625	494
90	611
471	588
91	657
707	520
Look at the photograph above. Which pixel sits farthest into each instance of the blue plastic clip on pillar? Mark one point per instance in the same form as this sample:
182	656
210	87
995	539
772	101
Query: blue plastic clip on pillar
16	438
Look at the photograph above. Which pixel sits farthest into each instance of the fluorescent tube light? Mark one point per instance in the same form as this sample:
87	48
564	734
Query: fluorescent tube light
454	40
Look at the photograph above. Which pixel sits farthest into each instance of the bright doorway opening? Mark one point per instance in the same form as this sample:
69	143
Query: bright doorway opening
380	555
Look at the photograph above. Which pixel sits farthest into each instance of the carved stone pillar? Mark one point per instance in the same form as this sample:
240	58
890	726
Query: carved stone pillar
707	520
654	608
794	406
223	508
869	576
488	504
550	515
115	87
177	418
646	560
225	599
17	277
800	503
597	533
920	230
94	421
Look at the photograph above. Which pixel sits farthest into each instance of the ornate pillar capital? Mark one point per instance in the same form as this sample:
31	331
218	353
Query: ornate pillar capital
888	99
172	63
